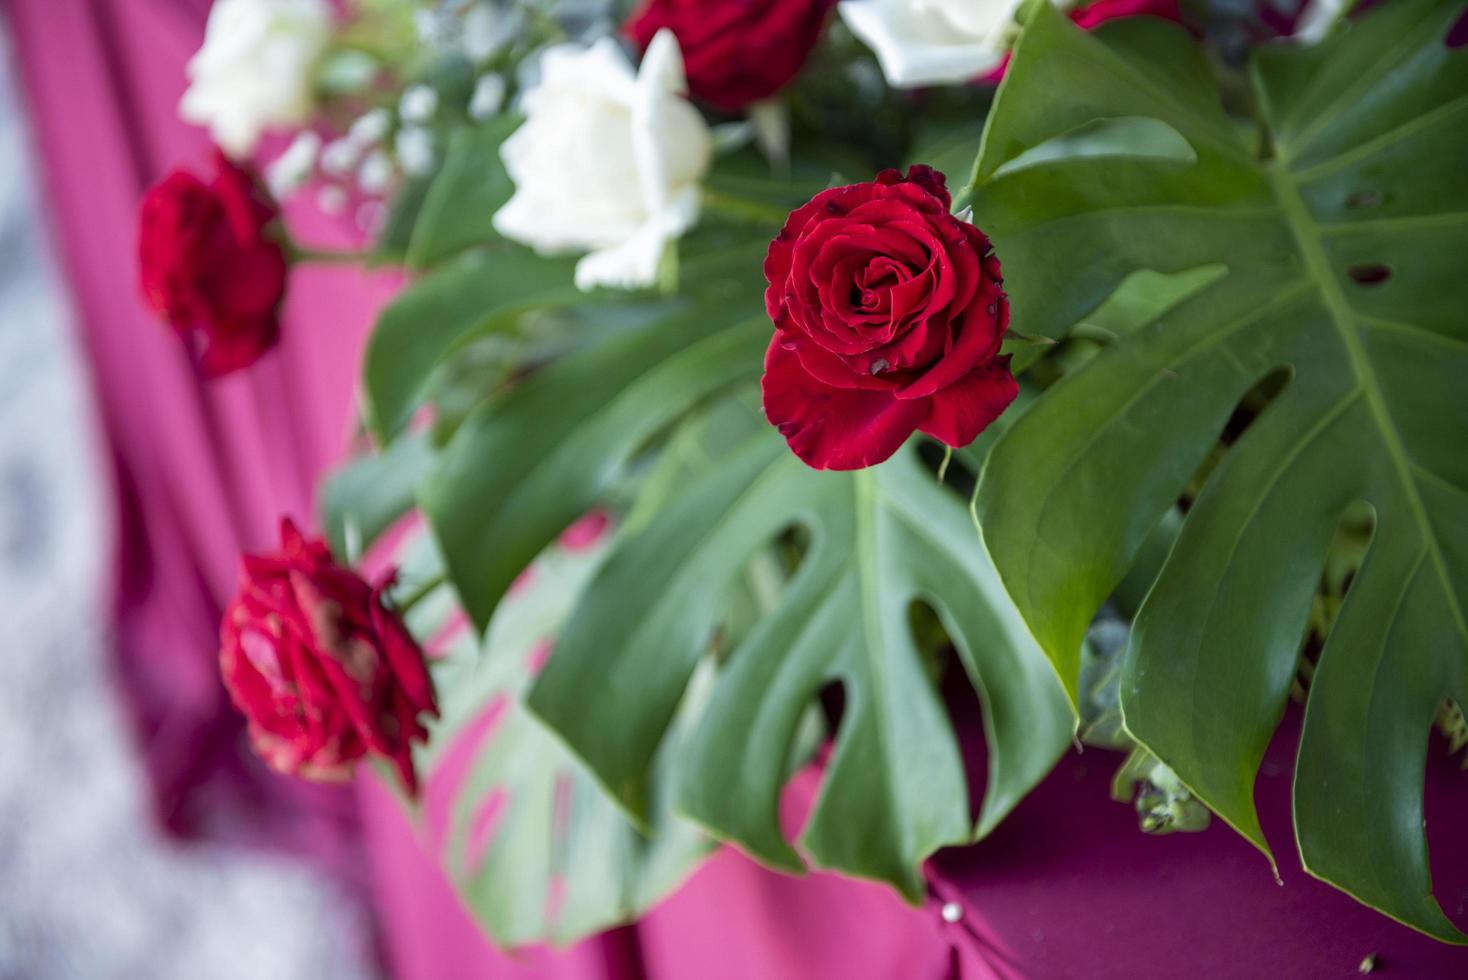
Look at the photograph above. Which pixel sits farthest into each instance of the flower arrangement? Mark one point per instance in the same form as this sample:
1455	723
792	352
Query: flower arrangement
1103	360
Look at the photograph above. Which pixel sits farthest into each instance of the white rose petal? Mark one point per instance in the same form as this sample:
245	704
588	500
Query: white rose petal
293	167
608	161
929	42
418	104
488	97
255	70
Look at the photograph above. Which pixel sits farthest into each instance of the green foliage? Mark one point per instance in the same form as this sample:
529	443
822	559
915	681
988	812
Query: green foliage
535	848
879	541
458	207
1339	218
531	460
482	291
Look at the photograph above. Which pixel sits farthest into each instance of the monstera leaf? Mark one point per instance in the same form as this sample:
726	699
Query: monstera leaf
1340	220
879	541
536	849
526	463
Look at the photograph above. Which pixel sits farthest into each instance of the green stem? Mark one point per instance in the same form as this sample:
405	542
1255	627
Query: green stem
329	256
418	594
743	209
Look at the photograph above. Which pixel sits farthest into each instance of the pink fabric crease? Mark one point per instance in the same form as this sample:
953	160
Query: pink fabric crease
1067	887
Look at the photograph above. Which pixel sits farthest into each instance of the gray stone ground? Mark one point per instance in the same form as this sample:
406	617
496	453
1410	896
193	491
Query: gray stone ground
88	888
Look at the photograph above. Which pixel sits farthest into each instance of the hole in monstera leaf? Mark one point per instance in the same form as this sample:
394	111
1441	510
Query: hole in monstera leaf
1369	273
755	591
1444	800
1253	404
1122	136
932	640
1361	200
1343	559
1247	410
1140	299
1457	35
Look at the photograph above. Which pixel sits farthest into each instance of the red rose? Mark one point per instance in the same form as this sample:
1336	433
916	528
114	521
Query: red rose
735	51
321	668
888	317
208	264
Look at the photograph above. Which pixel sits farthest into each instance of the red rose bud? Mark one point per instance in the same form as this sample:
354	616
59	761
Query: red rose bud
207	263
888	314
735	51
323	671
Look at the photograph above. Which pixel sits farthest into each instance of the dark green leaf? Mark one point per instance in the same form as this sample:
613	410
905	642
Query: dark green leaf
528	462
471	185
558	860
880	540
361	499
481	291
1342	229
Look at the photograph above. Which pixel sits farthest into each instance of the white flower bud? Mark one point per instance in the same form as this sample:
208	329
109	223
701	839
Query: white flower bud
488	97
340	157
414	147
375	174
418	104
293	167
370	127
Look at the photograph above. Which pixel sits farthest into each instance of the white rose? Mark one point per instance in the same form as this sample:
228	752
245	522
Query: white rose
255	70
608	161
930	42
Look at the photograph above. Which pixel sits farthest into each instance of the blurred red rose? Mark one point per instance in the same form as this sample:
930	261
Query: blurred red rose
323	671
208	262
888	314
735	51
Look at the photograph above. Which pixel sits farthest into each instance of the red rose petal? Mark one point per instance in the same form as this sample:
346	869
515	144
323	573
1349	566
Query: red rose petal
957	414
833	428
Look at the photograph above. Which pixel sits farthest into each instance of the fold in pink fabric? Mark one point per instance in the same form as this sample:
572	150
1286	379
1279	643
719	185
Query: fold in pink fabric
1067	887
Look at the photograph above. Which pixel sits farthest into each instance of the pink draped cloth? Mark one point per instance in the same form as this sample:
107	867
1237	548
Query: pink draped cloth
1066	888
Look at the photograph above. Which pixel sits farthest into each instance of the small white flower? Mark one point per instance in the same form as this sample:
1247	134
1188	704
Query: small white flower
376	173
370	127
418	104
488	97
928	42
332	199
293	167
414	148
487	30
607	162
340	156
255	70
430	25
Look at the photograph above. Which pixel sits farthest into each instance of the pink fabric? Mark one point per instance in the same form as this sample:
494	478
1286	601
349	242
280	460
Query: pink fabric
1066	888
